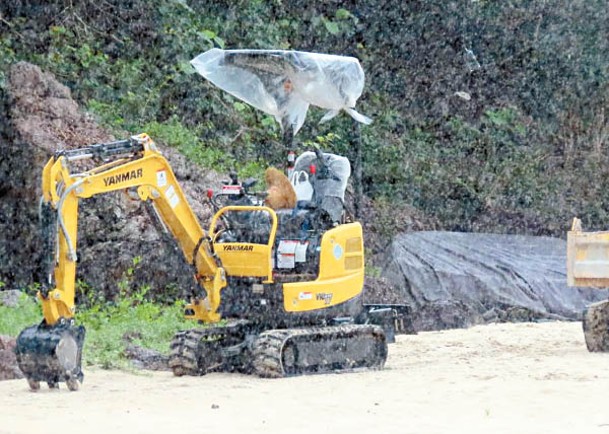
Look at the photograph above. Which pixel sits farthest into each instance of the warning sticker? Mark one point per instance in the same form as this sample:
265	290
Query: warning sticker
161	178
286	253
305	295
172	197
231	189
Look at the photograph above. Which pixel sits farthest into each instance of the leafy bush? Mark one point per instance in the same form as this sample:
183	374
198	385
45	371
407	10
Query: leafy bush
483	111
14	319
151	325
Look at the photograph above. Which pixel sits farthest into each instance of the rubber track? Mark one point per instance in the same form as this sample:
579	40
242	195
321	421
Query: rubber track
183	358
267	350
188	350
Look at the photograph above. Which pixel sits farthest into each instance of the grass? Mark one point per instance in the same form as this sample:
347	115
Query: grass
151	325
14	319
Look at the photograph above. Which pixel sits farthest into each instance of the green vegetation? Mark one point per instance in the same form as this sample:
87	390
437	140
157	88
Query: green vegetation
15	319
150	325
133	316
488	116
108	325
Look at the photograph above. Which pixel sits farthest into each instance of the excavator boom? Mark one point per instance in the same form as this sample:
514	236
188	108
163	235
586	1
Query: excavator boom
51	351
137	165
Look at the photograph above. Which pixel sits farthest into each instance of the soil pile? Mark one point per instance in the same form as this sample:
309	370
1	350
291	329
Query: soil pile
40	117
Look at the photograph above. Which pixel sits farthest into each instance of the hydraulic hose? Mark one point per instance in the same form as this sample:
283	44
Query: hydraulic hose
71	249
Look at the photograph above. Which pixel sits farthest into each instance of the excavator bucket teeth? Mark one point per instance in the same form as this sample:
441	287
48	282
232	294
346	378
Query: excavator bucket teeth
52	354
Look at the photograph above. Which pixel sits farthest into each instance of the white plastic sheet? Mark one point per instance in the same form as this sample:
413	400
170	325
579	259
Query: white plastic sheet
284	83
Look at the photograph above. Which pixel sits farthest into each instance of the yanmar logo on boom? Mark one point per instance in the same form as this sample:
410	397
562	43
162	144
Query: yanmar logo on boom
122	177
238	248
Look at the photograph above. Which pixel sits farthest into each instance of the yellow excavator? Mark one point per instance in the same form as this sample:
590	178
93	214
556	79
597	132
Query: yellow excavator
588	266
286	283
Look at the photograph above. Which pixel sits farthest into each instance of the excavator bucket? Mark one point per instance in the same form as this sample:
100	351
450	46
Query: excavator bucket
52	354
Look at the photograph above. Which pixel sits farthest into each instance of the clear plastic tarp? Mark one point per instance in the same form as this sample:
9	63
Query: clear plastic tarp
284	83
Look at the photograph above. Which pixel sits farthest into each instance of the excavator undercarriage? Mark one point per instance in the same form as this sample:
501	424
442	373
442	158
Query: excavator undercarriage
241	346
280	353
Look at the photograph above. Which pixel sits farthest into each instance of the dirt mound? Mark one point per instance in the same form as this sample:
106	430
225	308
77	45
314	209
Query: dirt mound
40	117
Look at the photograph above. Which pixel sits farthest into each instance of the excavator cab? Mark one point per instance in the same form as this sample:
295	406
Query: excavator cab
293	266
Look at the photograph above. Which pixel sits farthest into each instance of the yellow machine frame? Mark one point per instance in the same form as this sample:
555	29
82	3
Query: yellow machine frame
341	269
341	272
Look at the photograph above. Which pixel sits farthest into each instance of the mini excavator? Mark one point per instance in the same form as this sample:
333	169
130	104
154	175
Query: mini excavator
287	283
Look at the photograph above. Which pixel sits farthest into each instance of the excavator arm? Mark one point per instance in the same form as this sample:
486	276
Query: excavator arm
140	168
51	351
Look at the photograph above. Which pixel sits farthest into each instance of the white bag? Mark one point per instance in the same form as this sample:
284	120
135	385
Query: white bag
302	186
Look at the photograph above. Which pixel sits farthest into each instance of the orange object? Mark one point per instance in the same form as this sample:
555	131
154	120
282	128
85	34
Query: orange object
281	194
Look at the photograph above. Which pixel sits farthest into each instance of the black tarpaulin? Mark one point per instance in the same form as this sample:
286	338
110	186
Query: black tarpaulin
459	279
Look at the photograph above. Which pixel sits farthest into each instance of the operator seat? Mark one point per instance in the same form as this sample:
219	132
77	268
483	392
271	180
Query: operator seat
324	209
329	183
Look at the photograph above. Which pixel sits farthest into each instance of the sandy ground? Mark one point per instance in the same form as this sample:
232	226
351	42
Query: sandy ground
508	378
